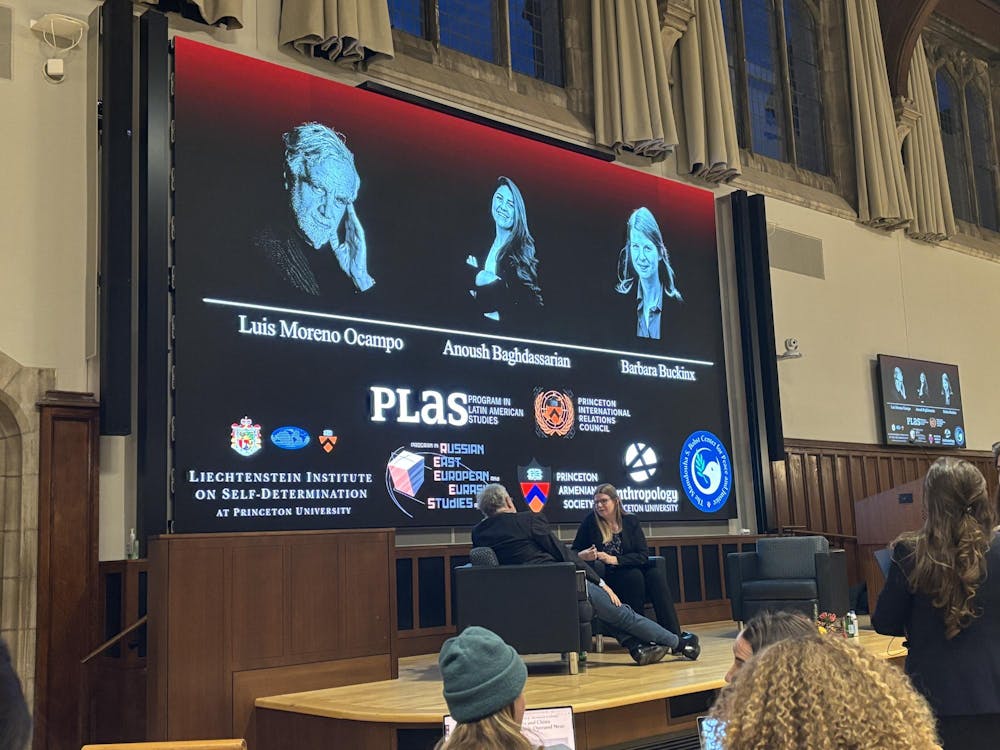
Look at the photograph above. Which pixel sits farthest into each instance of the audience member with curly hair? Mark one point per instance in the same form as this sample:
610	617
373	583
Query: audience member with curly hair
822	692
764	629
943	594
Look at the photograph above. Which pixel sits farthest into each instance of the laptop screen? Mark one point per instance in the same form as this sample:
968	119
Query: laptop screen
552	728
884	559
710	733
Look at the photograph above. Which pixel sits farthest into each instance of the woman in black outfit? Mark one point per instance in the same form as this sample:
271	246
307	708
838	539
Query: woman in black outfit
943	594
615	539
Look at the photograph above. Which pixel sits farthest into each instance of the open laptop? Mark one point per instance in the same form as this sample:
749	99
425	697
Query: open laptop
884	559
552	728
709	734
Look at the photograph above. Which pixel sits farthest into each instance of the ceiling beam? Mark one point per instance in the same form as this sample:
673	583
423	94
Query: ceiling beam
902	21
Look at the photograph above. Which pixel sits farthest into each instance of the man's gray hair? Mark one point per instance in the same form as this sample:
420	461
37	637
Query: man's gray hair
996	451
491	499
310	147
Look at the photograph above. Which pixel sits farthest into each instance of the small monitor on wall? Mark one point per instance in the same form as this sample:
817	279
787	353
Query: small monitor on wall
921	403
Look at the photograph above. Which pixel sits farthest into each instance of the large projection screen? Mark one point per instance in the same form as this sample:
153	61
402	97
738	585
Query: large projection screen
381	307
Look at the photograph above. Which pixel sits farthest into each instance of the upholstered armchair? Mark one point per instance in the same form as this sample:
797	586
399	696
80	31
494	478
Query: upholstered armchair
537	609
788	573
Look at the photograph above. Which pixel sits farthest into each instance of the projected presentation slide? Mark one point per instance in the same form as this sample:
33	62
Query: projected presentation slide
380	308
921	403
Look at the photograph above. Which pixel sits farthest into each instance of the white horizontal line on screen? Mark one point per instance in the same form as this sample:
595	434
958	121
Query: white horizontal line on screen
452	331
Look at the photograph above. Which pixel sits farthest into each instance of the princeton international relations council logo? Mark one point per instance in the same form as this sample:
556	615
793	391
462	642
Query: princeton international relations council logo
706	471
535	481
554	413
245	437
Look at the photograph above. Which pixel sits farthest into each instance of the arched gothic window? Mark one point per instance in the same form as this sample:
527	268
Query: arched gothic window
774	69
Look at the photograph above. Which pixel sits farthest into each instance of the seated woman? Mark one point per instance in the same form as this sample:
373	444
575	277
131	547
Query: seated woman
943	594
505	284
821	692
615	540
484	689
765	629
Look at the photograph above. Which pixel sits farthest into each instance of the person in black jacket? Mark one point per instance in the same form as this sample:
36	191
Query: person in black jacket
505	285
526	539
15	721
943	594
614	542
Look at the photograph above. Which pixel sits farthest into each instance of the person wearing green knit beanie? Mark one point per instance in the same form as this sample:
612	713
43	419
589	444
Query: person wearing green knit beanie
484	689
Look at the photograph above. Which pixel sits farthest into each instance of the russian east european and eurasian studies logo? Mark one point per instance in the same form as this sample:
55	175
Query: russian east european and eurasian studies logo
706	471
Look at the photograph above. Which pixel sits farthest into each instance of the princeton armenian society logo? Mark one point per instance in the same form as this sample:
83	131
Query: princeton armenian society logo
245	437
535	481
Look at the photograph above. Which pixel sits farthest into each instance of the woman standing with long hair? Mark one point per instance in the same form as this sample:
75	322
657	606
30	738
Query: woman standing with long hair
943	594
506	282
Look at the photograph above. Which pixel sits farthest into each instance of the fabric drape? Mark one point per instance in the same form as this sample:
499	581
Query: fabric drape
883	197
703	99
926	172
632	109
226	13
343	31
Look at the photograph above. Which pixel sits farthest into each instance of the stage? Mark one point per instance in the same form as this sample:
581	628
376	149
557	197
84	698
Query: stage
615	702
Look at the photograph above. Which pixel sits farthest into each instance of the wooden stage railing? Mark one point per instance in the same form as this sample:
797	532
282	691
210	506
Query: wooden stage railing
425	604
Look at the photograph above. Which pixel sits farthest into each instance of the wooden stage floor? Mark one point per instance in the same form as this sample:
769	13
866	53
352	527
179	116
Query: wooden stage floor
613	699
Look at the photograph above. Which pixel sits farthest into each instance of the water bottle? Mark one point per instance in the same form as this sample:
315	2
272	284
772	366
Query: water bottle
852	624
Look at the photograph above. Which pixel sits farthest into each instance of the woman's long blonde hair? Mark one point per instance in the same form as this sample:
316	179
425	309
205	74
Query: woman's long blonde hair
497	731
949	552
822	692
604	526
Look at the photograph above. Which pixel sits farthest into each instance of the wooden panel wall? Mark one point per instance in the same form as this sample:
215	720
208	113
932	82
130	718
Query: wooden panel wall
236	616
67	566
816	487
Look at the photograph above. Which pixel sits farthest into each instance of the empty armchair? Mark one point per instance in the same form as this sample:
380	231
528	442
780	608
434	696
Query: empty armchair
537	609
788	573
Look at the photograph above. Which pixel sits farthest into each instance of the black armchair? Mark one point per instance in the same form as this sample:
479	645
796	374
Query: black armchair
537	609
788	573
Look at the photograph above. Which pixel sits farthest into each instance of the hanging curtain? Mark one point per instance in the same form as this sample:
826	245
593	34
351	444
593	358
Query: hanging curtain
226	13
703	99
631	89
343	31
926	173
883	198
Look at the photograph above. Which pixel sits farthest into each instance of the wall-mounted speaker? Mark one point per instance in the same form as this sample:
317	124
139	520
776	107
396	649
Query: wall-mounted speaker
114	279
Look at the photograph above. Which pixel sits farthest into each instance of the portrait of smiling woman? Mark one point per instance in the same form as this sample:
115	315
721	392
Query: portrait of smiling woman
643	255
505	284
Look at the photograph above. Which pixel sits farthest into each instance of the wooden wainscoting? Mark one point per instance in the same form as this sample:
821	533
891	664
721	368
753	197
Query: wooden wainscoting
816	487
424	585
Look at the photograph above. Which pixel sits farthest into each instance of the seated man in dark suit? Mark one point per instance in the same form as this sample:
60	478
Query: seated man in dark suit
525	538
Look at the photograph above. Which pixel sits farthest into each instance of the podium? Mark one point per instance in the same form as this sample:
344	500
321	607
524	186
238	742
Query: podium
233	617
881	518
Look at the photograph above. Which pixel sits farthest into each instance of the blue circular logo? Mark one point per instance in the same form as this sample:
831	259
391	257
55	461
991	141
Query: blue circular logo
959	436
290	438
706	471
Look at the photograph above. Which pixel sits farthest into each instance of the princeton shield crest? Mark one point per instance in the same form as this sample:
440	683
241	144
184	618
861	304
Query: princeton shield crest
535	481
245	437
